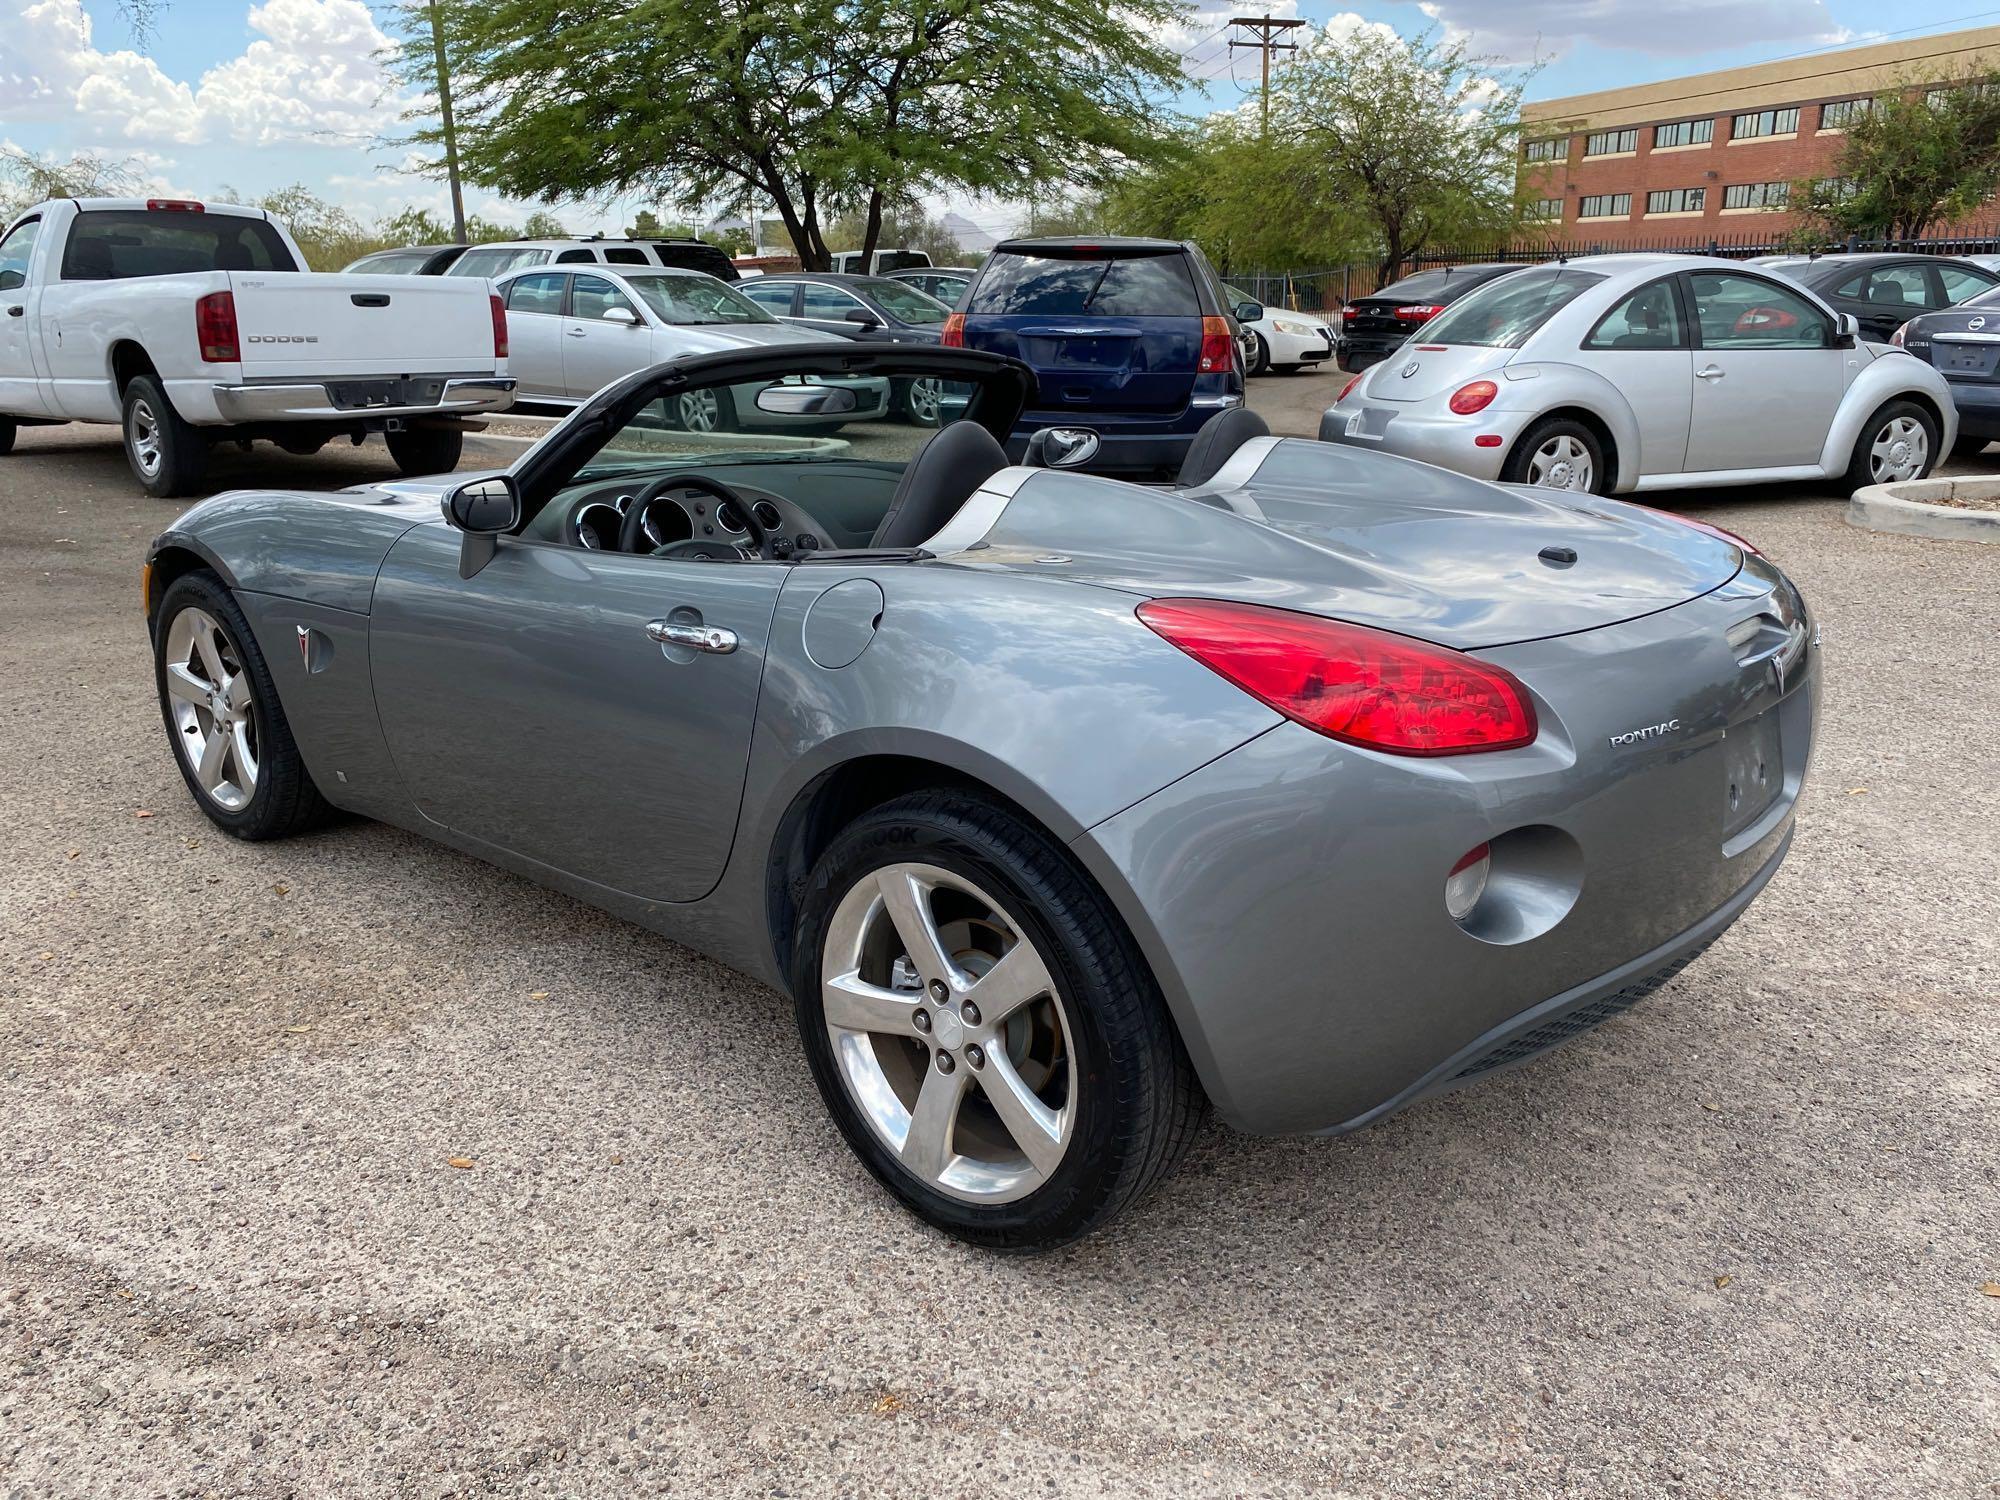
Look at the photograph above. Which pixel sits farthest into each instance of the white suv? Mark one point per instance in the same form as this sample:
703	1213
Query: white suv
502	256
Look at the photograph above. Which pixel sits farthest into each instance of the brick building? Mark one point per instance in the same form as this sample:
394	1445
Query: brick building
1714	155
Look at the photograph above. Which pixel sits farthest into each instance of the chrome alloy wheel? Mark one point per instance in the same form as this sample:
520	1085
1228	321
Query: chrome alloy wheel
1899	451
214	719
948	1034
701	411
924	400
1561	463
146	447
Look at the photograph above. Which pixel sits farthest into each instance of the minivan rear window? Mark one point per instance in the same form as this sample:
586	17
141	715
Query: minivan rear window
121	244
1502	313
1147	286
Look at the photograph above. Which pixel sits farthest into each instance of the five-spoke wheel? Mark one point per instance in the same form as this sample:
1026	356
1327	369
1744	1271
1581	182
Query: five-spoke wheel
210	708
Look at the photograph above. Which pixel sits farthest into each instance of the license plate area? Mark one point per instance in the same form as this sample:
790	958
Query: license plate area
1965	359
1753	772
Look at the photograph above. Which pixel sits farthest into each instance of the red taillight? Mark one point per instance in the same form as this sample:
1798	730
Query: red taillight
1349	682
1218	346
1349	314
1902	332
1352	381
499	326
174	205
215	328
1477	396
953	336
1419	312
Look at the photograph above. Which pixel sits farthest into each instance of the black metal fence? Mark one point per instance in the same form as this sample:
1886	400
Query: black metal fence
1326	288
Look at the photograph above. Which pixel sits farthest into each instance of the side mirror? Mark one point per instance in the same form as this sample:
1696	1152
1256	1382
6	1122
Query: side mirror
482	510
864	317
806	400
1850	332
623	315
11	280
1249	312
1061	448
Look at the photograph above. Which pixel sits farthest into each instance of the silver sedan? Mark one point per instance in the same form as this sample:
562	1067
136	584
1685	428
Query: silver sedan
1617	373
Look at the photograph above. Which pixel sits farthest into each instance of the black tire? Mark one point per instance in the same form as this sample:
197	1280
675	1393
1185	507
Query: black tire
1520	462
175	460
1138	1103
1262	363
284	800
1964	449
7	429
426	450
1860	470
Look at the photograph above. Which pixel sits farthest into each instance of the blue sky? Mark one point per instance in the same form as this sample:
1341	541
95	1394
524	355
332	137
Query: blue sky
259	95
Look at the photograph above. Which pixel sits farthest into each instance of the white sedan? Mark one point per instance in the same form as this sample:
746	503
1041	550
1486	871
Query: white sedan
1286	342
572	330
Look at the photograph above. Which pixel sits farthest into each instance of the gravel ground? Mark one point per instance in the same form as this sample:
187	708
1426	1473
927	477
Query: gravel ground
1730	1245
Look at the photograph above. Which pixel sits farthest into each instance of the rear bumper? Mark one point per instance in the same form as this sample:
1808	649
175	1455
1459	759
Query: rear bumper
327	401
1421	430
1289	895
1978	409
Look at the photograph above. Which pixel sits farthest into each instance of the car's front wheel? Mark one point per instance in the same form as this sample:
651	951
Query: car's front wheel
1260	359
983	1030
1558	453
230	737
1899	442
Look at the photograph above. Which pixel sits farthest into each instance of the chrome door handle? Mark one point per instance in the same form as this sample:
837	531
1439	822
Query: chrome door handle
712	638
1711	373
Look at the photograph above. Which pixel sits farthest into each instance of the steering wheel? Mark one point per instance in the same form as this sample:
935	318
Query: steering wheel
715	489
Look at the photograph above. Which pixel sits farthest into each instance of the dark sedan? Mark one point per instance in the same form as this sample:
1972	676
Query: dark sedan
1374	327
410	260
1963	344
946	283
1884	291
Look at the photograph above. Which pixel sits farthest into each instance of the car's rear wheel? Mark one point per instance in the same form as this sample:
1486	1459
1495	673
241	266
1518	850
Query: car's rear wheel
168	456
923	401
426	450
1558	453
1963	449
230	737
705	409
1899	442
983	1030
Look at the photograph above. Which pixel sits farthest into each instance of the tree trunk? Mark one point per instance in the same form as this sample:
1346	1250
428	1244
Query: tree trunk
873	231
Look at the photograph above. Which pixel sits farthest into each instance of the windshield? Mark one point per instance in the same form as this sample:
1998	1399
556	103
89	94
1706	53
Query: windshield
496	260
695	300
905	302
1501	314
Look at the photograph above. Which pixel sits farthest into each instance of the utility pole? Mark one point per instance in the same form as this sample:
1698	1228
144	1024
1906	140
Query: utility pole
450	129
1266	29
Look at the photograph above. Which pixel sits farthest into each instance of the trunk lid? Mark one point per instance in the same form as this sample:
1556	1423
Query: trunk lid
1421	371
1126	363
1428	553
313	324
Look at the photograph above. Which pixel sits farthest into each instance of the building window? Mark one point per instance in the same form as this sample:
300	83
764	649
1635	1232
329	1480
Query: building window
1757	195
1556	150
1844	112
1764	122
1605	206
1611	142
1936	97
1684	133
1677	201
1835	189
1546	209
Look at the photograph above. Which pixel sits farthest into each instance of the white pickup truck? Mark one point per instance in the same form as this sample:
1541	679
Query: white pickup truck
191	324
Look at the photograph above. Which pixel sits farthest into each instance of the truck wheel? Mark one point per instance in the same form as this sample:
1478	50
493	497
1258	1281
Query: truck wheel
426	450
983	1030
6	434
168	456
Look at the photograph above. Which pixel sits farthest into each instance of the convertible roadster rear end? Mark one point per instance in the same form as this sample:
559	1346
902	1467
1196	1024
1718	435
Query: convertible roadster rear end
1318	783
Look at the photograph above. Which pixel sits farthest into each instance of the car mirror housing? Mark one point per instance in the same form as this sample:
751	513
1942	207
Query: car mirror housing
482	510
1062	448
1850	332
1249	312
865	318
623	315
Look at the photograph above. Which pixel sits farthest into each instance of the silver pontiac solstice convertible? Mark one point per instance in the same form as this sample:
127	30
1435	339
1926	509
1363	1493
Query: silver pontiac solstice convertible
1313	784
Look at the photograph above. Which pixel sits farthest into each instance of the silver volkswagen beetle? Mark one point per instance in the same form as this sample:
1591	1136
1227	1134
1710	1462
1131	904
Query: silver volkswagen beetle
1617	373
1314	784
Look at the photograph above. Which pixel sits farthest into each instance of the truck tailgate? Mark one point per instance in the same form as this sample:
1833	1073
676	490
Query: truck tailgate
314	324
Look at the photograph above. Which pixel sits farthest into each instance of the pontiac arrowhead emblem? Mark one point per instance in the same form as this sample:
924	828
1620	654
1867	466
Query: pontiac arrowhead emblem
305	647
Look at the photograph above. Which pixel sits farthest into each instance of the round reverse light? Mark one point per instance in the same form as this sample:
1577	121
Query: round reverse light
1467	881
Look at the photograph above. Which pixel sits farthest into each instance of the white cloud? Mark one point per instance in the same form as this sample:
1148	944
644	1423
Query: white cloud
1521	30
312	74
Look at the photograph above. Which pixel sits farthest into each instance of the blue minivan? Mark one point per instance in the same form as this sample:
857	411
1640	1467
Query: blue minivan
1132	338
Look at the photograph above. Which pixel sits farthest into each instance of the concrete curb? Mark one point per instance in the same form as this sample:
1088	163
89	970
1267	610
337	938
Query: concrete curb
1901	508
